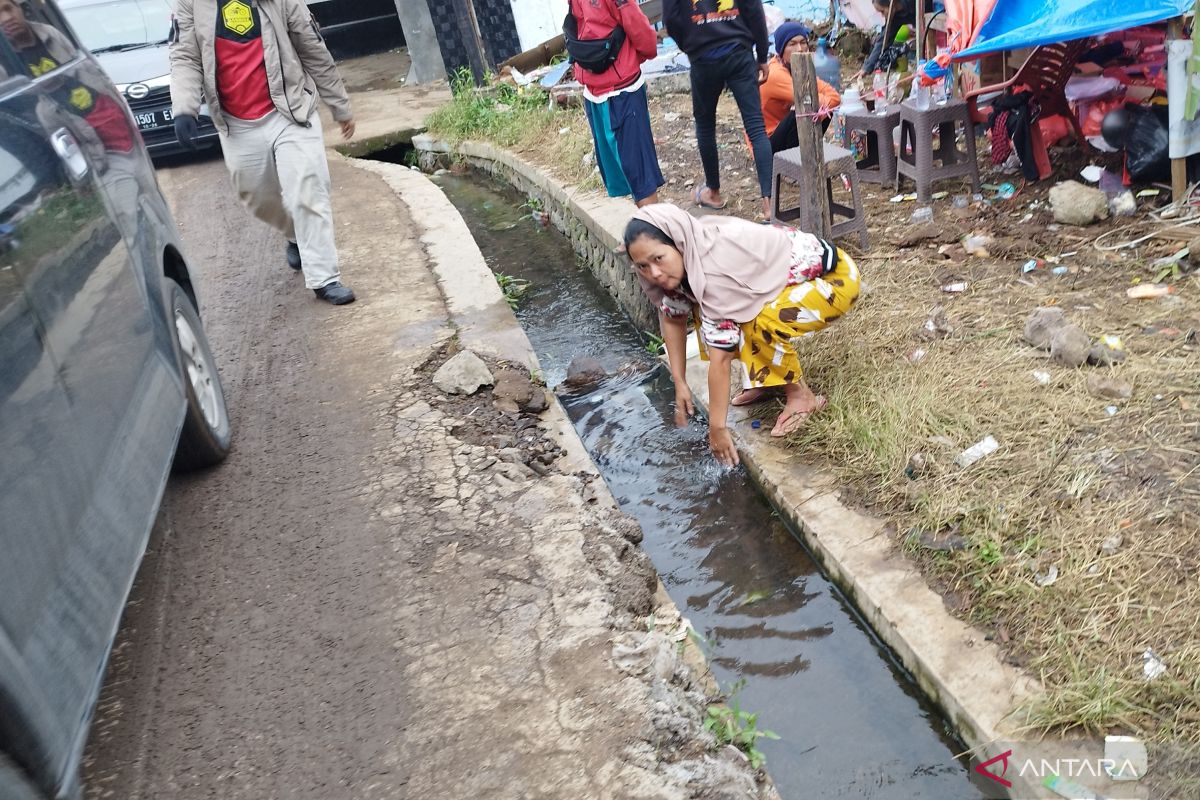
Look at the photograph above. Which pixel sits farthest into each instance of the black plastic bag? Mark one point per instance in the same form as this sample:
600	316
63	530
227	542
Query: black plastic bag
1147	145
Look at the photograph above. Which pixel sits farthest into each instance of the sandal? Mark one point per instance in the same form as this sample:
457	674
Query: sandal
696	195
764	393
795	421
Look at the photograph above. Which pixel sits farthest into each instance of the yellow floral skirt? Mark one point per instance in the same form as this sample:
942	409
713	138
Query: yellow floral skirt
766	350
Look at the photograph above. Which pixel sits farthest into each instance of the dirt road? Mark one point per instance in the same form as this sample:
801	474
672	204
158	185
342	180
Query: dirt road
378	595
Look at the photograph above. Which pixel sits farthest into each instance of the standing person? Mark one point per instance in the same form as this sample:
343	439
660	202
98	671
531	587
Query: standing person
726	41
614	96
778	97
261	65
755	288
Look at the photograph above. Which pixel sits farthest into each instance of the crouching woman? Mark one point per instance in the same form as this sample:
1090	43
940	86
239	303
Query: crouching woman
753	289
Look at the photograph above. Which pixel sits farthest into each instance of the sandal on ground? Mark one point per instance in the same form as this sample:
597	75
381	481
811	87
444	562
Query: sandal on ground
796	420
696	195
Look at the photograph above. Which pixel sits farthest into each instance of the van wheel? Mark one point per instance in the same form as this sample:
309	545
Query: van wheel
206	433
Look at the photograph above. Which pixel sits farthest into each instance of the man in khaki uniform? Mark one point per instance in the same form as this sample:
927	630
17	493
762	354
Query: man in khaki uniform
261	66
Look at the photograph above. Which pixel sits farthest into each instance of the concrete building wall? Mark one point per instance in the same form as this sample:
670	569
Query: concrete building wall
538	20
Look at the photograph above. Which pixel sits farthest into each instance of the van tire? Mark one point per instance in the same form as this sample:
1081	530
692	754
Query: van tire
206	434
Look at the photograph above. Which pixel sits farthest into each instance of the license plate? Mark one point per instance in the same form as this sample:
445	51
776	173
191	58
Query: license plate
152	119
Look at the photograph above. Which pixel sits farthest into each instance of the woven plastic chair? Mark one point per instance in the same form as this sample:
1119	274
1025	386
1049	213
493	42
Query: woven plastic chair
916	157
879	163
786	166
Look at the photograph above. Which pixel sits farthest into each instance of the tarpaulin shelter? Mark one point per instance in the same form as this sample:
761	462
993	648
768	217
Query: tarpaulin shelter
1012	24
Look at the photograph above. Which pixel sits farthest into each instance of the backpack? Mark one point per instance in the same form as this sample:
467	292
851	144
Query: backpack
594	55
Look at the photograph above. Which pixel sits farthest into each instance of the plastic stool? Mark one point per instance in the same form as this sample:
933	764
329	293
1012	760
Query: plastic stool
879	164
786	165
917	155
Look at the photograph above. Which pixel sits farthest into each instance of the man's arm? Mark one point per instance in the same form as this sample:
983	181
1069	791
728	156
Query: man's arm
187	71
670	11
637	28
756	18
315	57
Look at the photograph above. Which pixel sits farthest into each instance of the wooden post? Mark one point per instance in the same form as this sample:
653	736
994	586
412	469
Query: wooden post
1178	165
812	149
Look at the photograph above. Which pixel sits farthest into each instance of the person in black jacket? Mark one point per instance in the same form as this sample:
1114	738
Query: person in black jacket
726	41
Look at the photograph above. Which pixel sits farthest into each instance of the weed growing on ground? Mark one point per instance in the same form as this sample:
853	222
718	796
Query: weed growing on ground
522	119
513	288
732	725
654	343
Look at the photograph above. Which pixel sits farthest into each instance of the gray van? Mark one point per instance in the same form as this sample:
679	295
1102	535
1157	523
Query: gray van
106	381
129	39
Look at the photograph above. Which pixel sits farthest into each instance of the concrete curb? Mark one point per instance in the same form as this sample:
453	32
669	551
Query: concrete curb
961	672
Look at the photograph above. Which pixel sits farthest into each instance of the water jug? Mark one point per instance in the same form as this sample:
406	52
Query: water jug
825	61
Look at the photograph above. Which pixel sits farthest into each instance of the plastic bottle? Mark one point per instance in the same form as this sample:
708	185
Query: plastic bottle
827	65
879	91
920	94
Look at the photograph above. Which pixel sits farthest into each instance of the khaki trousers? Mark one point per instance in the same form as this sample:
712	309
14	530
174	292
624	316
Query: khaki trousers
280	174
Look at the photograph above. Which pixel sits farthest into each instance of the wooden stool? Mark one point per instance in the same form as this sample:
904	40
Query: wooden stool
786	165
879	163
916	146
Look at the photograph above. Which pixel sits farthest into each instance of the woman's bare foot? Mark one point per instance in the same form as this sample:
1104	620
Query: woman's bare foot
801	403
750	396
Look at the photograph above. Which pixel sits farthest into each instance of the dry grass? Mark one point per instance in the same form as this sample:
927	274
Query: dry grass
1068	479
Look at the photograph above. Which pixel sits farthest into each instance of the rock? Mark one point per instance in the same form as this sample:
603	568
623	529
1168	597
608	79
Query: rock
584	371
1109	388
1042	325
1070	346
1076	204
512	390
1101	355
537	402
1112	544
463	374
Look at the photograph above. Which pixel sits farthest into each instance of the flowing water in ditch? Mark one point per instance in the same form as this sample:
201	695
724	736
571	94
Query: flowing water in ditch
851	722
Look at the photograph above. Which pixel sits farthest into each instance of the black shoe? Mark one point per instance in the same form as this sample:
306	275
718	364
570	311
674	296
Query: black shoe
293	255
335	293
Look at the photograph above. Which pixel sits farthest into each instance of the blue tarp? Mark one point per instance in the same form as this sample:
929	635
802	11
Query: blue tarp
1025	23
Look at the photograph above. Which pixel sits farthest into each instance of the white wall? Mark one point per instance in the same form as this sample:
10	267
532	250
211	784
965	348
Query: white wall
538	20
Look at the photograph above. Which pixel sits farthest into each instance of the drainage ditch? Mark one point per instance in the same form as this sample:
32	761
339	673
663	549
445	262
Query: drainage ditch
851	721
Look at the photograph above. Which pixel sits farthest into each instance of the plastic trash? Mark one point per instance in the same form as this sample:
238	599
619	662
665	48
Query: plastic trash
1152	666
922	215
1125	758
960	201
1060	271
958	287
984	447
1006	191
977	245
827	65
1148	291
1031	265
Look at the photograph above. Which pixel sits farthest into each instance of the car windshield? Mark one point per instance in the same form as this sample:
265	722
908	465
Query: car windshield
120	24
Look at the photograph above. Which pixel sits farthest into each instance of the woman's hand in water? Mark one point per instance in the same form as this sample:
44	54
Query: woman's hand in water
683	404
721	443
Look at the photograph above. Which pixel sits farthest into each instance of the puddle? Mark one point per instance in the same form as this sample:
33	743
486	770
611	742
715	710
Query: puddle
851	721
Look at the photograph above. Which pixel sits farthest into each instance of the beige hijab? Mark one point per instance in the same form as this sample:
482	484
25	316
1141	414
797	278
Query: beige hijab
734	267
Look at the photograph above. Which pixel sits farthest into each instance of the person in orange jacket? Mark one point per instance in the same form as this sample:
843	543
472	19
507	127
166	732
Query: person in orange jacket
778	100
